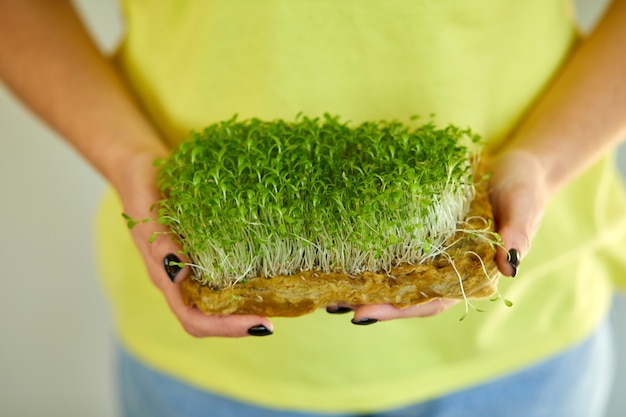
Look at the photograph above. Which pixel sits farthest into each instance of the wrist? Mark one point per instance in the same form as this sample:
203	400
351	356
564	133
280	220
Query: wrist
539	160
514	166
135	180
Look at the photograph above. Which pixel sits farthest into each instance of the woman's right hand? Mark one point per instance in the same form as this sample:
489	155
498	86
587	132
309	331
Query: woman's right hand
139	194
50	62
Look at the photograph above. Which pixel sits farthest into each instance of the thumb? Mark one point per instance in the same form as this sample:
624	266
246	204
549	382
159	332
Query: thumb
518	196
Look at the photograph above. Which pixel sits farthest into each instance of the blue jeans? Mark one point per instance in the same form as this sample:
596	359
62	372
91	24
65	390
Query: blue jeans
575	383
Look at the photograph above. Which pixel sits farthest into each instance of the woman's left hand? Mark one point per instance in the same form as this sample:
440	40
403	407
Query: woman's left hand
519	193
518	196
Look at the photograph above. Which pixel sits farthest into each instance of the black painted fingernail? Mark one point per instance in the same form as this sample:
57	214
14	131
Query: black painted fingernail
171	263
338	310
514	260
364	321
259	330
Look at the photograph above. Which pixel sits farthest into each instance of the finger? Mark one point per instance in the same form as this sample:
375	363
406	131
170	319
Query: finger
372	313
517	199
166	267
160	248
340	309
168	274
162	255
166	264
166	256
516	223
198	324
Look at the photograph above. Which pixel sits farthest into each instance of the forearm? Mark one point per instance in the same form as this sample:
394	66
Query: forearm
582	113
50	62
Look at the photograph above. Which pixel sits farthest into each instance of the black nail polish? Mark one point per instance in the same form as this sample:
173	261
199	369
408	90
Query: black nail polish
171	265
514	260
338	310
259	330
364	321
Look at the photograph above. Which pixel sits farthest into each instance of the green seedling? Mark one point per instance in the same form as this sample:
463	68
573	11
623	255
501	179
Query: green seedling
263	198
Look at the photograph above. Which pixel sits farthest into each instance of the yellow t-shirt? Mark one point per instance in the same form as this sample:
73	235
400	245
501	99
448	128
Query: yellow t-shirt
477	63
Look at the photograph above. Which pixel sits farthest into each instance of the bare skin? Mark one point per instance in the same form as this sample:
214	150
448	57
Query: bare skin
578	119
49	61
81	96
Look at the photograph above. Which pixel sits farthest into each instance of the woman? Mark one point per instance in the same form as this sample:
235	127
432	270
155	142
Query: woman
549	104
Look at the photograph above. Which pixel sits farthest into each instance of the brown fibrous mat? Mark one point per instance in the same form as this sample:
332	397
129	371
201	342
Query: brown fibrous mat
467	270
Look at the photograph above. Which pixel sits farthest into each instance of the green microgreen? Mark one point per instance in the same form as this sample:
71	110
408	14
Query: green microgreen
498	296
264	198
132	222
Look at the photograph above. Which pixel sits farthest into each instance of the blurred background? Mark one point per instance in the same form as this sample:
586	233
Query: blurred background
56	344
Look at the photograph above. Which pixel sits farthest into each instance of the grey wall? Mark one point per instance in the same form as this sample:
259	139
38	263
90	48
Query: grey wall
55	329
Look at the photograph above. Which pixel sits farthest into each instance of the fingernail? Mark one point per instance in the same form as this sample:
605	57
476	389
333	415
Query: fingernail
338	310
364	321
259	330
514	260
171	265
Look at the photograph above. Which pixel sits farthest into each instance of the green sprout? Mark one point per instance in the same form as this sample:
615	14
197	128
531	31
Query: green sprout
264	198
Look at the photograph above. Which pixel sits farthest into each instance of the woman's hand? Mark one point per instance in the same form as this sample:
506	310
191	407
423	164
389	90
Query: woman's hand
518	194
372	313
138	197
48	59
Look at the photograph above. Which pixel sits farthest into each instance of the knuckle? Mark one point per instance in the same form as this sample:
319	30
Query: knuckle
231	332
192	330
433	308
211	327
160	245
188	324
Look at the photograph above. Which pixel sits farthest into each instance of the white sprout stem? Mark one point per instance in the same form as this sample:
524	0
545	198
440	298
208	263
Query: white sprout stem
458	274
